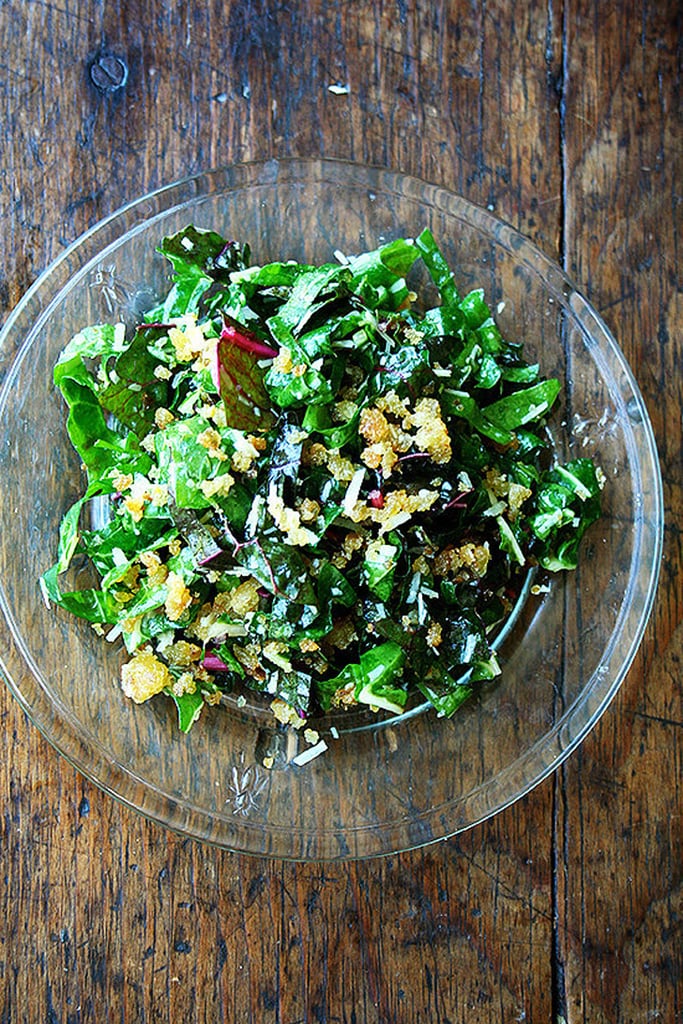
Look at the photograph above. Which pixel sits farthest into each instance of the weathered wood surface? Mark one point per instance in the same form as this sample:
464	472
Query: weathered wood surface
564	117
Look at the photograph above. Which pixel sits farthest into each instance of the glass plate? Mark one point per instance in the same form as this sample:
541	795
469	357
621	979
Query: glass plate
391	786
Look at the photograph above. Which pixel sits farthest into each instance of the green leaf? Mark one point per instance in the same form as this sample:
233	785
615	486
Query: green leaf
99	341
189	707
567	503
460	403
86	423
90	604
375	679
184	463
443	692
378	683
438	268
136	393
242	388
379	568
333	586
405	371
474	308
307	288
523	406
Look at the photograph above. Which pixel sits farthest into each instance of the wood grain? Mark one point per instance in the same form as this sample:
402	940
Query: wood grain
619	813
562	117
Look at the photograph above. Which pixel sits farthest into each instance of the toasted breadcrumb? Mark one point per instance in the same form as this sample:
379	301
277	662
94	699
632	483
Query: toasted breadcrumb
162	417
190	343
218	487
374	426
341	468
434	635
309	510
432	435
286	714
469	561
517	495
182	654
283	361
158	494
288	520
308	645
136	507
121	481
344	697
178	597
314	454
144	676
211	440
156	570
391	403
344	411
185	683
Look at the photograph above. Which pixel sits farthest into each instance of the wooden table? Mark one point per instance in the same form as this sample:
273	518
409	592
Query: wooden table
562	117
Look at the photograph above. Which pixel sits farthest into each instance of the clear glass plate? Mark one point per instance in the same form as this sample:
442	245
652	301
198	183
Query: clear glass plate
392	786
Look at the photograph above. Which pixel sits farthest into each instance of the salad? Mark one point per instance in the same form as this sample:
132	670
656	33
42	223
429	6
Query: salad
313	486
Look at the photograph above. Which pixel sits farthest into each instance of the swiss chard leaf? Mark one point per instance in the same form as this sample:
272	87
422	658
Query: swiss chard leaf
443	692
568	501
332	586
278	567
197	257
189	706
101	341
375	678
90	604
379	568
523	406
241	385
438	268
459	403
136	392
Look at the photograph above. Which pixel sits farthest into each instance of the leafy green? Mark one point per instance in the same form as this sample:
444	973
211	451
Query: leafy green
315	488
375	679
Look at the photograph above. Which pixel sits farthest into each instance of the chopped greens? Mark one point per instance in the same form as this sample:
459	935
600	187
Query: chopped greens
316	489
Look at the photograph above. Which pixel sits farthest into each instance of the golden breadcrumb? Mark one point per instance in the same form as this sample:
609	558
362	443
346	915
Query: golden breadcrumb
288	520
465	562
211	440
162	417
307	645
314	454
517	495
374	426
243	599
182	654
283	361
185	683
434	635
309	510
156	570
144	676
219	487
432	434
286	714
341	468
121	481
178	597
